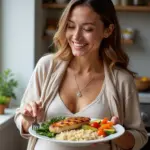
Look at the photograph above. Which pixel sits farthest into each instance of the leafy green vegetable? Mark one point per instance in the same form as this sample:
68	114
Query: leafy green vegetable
44	128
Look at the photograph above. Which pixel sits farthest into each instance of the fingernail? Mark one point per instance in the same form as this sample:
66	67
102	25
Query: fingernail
93	145
25	111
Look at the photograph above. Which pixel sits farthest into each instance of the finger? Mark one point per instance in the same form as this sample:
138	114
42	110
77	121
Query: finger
115	120
40	109
27	113
27	110
94	145
39	103
34	108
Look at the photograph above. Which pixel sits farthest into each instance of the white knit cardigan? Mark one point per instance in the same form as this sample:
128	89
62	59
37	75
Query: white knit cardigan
122	97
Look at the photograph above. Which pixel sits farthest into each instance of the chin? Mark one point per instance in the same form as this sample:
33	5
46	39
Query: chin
78	54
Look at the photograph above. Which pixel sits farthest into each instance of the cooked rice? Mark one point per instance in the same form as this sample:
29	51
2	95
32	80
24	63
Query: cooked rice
78	135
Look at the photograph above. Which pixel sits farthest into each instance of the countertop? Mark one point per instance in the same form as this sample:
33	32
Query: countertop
144	97
5	118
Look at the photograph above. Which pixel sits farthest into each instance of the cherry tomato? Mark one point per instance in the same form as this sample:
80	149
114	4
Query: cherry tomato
104	121
105	126
95	124
110	123
101	132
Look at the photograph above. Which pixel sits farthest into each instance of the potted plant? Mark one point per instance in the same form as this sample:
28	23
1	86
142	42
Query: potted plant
7	86
3	103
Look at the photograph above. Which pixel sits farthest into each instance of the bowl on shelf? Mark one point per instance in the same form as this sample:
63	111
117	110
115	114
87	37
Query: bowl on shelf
128	33
50	31
142	83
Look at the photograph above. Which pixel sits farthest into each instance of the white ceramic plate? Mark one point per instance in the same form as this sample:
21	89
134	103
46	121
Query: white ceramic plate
119	131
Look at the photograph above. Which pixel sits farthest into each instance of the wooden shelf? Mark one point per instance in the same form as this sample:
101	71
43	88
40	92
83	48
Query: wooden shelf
127	42
133	8
124	42
53	5
118	8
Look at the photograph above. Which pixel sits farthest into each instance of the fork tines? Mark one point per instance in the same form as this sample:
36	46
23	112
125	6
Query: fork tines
35	125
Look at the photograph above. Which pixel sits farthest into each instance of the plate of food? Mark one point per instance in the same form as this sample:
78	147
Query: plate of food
77	131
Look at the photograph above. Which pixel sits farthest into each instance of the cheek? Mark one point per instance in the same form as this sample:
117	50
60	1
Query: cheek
96	39
67	35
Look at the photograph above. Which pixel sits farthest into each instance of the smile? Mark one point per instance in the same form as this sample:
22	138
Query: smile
78	45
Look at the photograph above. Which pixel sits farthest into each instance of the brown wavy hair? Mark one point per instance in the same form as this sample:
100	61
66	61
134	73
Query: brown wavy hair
110	49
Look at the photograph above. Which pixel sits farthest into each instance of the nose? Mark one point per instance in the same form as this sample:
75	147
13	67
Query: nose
77	35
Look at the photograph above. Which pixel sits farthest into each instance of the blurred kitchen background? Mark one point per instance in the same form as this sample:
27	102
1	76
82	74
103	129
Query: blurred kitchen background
26	31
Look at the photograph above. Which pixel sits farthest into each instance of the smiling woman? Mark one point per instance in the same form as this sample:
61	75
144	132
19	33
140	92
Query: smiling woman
87	77
82	28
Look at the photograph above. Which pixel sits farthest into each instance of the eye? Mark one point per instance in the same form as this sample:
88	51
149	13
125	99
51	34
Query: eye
88	29
70	26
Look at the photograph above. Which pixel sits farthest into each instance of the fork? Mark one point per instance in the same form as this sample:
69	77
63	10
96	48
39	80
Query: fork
35	124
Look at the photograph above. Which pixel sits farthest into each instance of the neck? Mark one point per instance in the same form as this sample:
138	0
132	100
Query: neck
87	64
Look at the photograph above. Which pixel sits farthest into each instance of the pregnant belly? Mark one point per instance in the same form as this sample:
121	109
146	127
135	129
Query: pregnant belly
46	145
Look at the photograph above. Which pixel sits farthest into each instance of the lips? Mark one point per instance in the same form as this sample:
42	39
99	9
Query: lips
78	45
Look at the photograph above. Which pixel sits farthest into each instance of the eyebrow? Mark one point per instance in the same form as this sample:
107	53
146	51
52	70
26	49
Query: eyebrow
86	23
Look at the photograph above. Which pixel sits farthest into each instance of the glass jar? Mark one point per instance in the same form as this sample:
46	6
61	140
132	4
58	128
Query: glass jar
138	2
115	2
124	2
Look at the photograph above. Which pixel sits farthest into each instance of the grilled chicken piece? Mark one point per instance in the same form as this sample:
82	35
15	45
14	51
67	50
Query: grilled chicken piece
68	124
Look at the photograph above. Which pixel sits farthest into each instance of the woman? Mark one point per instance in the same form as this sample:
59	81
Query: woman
89	57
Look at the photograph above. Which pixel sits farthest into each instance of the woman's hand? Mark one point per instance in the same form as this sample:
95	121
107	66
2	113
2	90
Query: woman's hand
127	136
32	109
29	112
115	120
126	141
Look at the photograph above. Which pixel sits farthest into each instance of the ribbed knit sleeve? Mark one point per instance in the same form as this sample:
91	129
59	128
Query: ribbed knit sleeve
34	89
132	120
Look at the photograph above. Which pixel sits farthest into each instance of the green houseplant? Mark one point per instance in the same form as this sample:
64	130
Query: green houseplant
7	86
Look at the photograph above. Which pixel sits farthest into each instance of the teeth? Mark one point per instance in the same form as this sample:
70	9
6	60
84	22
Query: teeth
78	45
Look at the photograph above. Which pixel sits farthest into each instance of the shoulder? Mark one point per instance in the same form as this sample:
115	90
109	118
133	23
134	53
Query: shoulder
124	82
122	75
49	62
46	60
44	64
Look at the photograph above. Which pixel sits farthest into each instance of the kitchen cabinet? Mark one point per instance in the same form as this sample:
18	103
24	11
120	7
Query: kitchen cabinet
118	8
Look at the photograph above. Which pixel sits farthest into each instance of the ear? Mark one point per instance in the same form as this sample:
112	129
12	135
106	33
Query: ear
108	31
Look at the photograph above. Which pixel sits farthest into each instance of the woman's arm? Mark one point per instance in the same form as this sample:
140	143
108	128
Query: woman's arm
126	141
32	93
135	136
127	136
30	111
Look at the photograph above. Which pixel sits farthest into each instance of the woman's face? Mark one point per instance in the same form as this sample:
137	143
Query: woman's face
85	31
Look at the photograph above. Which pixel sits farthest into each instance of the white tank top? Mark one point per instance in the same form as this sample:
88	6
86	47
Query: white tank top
99	108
